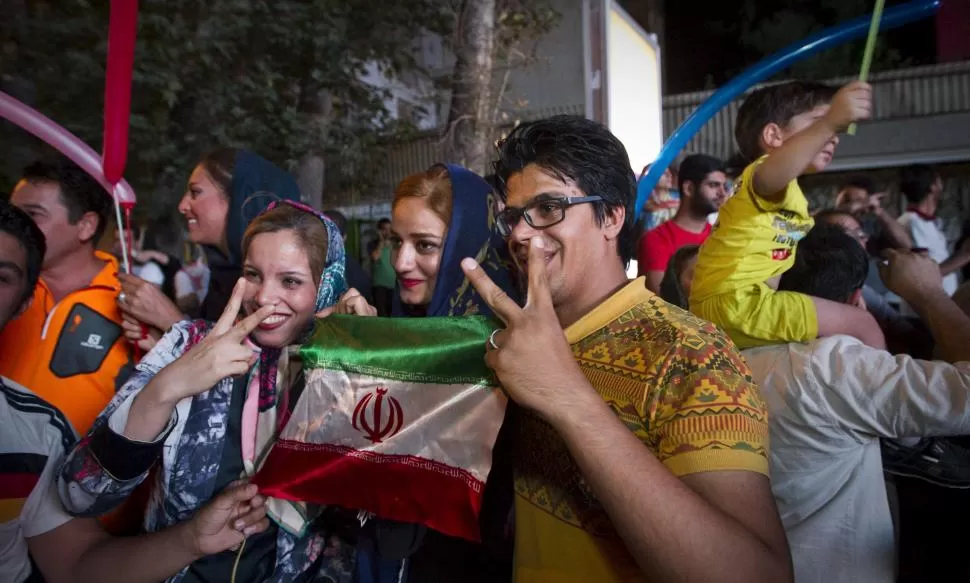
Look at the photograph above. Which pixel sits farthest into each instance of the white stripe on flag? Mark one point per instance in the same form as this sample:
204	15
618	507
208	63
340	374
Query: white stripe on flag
454	425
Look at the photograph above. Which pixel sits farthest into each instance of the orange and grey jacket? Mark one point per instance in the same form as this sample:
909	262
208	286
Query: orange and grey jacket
71	353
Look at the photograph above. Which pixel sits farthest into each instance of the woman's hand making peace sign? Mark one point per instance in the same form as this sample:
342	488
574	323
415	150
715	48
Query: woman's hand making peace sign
222	353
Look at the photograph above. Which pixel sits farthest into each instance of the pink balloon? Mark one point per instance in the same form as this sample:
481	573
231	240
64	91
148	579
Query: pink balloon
65	142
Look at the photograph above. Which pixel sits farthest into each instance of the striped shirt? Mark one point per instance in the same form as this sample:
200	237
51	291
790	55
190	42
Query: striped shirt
33	438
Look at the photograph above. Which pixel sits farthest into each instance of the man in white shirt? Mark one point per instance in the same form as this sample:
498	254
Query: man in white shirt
923	188
831	400
33	438
903	334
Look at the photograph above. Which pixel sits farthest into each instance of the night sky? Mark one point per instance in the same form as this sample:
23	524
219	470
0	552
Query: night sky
697	48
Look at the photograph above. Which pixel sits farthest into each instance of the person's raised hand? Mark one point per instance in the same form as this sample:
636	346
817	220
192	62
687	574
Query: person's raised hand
911	276
351	302
852	103
145	302
874	204
222	353
530	356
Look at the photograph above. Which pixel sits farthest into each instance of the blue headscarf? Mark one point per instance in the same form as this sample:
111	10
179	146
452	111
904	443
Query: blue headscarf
256	182
471	233
332	286
333	282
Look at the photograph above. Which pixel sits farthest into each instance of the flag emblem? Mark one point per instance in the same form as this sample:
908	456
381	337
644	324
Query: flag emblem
379	417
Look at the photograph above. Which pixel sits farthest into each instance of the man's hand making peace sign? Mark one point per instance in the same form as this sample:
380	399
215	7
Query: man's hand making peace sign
533	361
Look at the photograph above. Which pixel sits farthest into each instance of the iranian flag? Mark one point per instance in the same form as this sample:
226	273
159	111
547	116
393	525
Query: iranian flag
398	418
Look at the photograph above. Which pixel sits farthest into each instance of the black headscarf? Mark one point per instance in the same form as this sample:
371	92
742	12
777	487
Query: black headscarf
256	182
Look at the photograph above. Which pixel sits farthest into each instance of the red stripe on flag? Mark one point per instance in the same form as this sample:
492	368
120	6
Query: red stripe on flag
17	485
397	487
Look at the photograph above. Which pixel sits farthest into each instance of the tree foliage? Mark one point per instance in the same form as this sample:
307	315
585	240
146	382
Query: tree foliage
283	78
492	38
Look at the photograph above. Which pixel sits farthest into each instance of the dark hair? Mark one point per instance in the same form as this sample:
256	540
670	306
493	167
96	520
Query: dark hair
492	181
80	193
338	219
916	181
382	222
695	168
218	164
829	216
776	104
670	289
575	148
19	225
828	264
860	181
735	165
308	228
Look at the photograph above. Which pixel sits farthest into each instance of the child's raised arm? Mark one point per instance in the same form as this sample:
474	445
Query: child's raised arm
794	154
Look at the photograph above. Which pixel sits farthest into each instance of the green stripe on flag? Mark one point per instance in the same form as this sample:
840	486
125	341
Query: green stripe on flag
446	350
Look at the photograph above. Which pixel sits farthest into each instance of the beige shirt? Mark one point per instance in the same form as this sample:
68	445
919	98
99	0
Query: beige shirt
829	402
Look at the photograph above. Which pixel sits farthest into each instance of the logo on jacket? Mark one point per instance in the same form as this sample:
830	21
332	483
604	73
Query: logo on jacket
93	341
378	415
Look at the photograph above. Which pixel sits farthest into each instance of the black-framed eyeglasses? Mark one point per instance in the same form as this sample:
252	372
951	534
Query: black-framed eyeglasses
539	214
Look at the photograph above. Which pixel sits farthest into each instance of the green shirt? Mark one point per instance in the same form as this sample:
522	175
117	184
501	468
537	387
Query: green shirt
384	275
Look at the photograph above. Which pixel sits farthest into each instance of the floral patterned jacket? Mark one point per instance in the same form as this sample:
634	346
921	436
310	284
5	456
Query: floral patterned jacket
104	468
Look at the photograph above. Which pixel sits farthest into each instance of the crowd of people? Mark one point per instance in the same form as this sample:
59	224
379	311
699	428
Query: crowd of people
730	415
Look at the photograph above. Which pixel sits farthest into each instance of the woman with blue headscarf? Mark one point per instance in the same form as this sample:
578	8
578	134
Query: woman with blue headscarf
226	190
439	217
208	400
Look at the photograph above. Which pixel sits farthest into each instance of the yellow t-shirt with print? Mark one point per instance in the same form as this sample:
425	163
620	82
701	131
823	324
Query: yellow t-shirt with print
679	385
753	240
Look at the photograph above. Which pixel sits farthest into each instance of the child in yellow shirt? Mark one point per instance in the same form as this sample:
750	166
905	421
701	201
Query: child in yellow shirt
790	129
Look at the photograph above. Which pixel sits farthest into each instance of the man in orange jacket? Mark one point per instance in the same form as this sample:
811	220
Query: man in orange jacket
68	345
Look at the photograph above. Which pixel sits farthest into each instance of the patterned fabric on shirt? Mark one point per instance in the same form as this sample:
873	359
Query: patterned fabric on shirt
679	385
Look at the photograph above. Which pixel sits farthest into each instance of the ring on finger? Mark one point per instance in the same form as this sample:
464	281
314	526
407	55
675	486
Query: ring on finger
122	297
491	339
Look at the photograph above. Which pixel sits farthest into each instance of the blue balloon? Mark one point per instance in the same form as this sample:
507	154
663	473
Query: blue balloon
891	18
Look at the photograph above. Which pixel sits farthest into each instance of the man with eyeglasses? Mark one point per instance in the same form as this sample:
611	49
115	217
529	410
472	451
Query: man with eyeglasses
642	441
703	189
904	335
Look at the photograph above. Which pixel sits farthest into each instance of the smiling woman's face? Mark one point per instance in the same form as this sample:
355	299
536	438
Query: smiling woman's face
205	208
277	271
418	238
